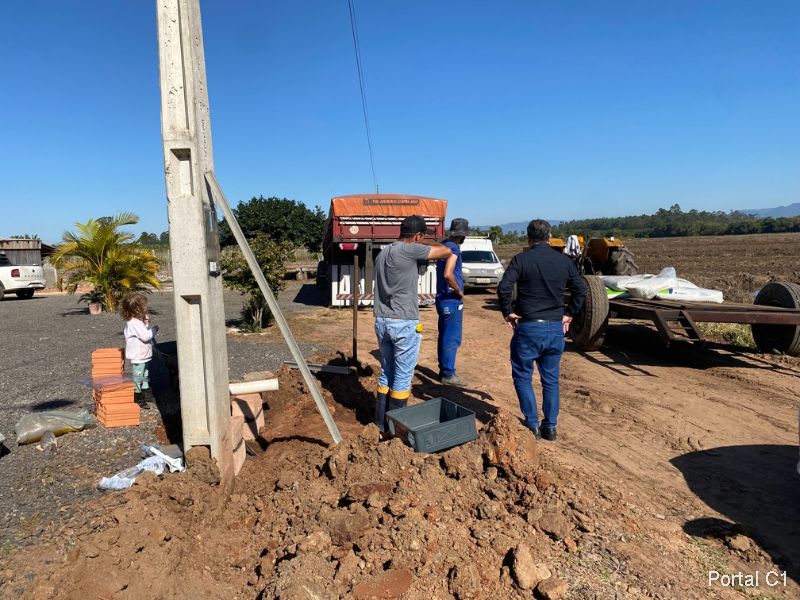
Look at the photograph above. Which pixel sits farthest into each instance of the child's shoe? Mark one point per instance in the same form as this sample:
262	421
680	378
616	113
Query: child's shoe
138	397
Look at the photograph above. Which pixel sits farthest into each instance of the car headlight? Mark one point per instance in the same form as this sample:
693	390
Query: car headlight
498	271
464	270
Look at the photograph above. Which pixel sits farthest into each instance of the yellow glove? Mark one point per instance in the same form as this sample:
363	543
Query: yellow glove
419	327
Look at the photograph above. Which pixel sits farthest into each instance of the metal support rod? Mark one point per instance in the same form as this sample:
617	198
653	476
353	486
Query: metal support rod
222	202
356	296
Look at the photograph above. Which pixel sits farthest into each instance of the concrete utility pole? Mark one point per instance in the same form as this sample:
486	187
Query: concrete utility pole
194	242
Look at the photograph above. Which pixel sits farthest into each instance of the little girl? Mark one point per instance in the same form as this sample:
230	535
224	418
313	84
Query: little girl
138	344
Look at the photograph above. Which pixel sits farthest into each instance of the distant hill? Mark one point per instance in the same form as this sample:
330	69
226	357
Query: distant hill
793	210
520	226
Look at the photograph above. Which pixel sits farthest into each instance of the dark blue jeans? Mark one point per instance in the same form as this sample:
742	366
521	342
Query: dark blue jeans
542	343
451	316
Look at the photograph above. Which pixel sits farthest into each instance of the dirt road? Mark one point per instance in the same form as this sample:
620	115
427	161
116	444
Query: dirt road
700	443
671	466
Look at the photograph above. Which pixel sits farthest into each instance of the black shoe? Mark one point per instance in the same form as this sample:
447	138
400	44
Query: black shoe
536	433
140	401
147	396
549	434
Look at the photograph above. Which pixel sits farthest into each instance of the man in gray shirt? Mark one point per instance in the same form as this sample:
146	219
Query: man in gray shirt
396	309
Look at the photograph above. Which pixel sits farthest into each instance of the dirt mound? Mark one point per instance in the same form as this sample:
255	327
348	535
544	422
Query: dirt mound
364	519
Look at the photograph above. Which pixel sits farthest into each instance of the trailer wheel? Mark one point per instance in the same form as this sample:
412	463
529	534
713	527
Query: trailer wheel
2	292
588	328
622	263
25	294
780	339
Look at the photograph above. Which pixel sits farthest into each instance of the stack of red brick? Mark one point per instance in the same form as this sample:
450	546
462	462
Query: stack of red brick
247	420
111	391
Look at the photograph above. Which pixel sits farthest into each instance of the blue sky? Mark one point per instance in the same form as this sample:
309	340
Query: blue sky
510	110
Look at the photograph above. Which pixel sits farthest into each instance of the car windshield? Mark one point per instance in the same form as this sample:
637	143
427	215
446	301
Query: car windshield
478	256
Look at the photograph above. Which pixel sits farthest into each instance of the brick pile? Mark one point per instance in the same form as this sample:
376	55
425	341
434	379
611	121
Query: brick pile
112	392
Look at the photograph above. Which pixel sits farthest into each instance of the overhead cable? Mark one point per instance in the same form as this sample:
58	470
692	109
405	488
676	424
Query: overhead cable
357	48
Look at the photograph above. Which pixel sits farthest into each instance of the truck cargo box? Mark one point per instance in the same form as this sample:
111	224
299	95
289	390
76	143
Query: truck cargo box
361	225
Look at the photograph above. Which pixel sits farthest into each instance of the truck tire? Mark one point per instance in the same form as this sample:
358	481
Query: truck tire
2	292
25	294
588	328
322	275
778	339
622	263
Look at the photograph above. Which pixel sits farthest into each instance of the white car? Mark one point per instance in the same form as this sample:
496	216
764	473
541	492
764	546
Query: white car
20	280
480	266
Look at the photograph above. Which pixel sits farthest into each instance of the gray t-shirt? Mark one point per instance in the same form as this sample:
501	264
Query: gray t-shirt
397	280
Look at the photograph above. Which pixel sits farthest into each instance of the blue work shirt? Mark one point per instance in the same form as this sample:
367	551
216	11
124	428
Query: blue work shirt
443	291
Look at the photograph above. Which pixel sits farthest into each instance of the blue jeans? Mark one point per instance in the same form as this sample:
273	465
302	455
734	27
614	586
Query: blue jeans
451	317
543	343
399	343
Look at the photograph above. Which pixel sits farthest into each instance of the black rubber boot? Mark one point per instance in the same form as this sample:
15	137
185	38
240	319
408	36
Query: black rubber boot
380	411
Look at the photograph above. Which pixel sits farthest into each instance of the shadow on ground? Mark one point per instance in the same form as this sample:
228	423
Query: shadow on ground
311	295
636	346
757	487
51	404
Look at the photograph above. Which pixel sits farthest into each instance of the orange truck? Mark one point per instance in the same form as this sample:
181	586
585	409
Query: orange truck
358	227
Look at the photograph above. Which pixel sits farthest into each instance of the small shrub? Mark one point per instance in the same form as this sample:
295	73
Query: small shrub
272	257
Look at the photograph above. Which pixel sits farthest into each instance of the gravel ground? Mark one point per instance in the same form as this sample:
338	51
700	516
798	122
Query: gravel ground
45	363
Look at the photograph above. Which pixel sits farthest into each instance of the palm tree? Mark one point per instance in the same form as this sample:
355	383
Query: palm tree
99	253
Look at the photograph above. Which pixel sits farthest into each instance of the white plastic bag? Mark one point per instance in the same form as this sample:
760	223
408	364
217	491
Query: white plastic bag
31	427
643	286
157	464
691	294
124	479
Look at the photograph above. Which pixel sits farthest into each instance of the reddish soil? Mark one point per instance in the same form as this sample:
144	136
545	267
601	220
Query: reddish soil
669	464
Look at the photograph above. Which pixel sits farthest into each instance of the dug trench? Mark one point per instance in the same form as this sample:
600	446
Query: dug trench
668	467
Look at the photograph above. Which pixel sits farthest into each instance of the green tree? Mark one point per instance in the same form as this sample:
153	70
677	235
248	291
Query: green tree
148	239
99	253
25	236
281	219
272	257
494	233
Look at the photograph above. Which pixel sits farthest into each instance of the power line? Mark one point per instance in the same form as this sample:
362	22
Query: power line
357	48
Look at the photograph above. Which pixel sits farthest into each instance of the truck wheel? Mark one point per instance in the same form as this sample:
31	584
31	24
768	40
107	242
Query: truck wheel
622	263
322	274
25	294
588	328
779	339
2	292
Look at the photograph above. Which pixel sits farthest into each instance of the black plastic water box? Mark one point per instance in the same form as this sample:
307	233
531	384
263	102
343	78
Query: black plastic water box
433	425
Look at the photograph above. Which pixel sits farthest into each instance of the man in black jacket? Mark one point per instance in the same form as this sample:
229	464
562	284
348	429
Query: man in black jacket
539	321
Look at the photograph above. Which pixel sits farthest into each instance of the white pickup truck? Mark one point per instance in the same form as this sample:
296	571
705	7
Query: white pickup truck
19	280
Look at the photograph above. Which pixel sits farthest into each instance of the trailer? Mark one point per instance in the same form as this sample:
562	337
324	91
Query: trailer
357	229
774	317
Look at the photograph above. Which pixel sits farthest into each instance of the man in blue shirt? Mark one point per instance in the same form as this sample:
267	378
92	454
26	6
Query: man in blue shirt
449	303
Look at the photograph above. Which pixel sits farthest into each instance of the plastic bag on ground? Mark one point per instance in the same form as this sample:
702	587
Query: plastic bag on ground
31	427
157	464
124	479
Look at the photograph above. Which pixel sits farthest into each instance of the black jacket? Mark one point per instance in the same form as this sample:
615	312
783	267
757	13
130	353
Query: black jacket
541	275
